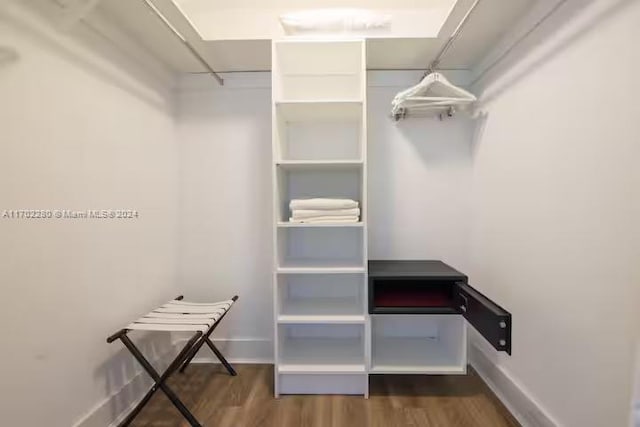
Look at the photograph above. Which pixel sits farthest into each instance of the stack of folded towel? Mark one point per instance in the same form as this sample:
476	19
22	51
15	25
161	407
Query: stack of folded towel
324	210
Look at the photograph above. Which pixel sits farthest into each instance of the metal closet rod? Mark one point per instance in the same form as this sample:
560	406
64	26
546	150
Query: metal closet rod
434	64
184	41
519	40
368	69
454	36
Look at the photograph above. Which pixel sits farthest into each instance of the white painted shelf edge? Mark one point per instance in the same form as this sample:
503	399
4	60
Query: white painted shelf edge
320	319
320	270
284	224
319	164
419	370
321	369
317	101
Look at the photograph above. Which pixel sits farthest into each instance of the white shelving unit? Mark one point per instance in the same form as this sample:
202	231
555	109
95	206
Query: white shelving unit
319	150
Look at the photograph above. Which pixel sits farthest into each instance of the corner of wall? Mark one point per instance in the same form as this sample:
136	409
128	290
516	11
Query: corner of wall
518	401
112	410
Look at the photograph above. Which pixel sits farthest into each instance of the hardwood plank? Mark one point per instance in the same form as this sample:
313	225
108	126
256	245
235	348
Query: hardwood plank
218	399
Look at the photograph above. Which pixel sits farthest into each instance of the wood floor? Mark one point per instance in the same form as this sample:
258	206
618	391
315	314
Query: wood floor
218	400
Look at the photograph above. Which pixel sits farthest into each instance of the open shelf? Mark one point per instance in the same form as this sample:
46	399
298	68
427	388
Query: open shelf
315	306
321	347
342	181
332	296
322	353
319	131
318	70
336	110
418	356
418	344
320	247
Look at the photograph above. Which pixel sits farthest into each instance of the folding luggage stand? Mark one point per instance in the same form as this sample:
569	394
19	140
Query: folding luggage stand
176	316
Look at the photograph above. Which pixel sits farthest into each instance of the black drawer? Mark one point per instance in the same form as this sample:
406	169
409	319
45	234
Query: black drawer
433	287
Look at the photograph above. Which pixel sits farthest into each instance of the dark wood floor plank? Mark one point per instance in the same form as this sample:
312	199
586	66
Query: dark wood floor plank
219	400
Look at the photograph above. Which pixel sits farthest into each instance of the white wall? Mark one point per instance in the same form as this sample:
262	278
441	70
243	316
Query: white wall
419	194
555	221
419	180
79	130
225	210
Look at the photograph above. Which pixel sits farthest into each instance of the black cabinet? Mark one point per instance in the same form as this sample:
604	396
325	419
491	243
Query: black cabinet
433	287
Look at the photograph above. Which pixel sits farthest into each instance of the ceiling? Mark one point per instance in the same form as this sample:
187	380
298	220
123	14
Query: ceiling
489	21
204	5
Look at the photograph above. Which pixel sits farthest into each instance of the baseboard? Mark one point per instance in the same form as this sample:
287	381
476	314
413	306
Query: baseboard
253	350
241	350
111	411
519	402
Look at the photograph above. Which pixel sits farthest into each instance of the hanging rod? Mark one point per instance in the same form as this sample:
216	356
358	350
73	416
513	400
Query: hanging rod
454	36
184	41
518	41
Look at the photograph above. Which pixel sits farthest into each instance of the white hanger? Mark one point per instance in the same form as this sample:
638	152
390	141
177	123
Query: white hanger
434	93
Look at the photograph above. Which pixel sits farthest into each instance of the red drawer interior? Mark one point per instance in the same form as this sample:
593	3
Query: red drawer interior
412	294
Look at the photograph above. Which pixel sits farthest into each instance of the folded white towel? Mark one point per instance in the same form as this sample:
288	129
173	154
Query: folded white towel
322	204
325	219
312	213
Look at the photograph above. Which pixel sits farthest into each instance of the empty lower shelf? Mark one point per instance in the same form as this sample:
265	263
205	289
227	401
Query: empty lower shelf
328	307
409	355
321	353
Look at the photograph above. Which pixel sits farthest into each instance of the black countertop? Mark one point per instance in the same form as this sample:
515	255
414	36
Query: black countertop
424	269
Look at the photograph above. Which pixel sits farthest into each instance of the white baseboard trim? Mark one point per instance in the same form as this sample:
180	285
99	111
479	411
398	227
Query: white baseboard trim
240	350
255	350
112	410
519	402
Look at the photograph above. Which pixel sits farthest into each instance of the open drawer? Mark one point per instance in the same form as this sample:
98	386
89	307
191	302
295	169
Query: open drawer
412	296
432	287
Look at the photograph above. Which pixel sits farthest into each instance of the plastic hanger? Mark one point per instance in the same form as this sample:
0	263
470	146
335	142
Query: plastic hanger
433	93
